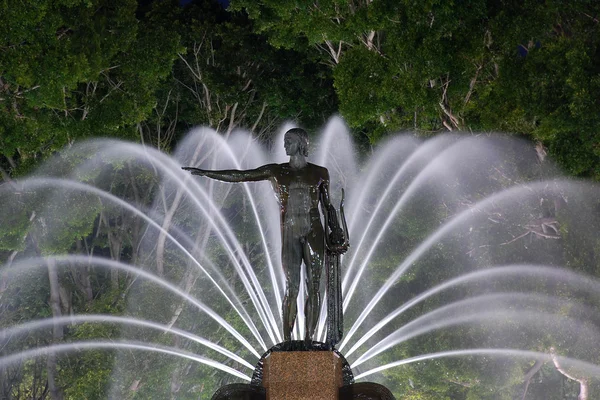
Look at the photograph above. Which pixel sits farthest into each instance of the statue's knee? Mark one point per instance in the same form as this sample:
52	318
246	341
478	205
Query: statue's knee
312	287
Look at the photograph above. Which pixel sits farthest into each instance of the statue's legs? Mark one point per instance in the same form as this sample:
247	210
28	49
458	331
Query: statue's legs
314	248
291	260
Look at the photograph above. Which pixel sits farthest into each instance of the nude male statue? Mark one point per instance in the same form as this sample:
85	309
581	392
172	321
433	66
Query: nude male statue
299	186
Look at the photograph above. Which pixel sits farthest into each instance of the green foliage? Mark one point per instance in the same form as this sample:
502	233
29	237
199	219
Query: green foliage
14	233
60	231
527	68
229	77
73	69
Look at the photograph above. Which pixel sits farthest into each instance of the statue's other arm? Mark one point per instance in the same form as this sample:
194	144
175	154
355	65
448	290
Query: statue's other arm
324	195
235	175
335	236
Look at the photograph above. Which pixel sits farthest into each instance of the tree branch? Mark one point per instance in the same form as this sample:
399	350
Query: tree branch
262	111
472	85
335	54
530	374
583	382
232	119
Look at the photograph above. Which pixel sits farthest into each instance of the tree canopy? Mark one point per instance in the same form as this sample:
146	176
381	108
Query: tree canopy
527	68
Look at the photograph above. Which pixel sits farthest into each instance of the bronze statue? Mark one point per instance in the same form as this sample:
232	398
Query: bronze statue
300	187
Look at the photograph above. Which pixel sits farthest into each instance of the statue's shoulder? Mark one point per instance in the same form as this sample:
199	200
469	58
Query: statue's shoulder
319	170
318	167
270	167
279	169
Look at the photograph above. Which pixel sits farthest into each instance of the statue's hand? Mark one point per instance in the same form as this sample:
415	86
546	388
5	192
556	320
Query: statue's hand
194	171
337	242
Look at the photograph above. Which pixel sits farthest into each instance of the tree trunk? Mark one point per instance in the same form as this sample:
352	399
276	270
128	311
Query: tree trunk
166	224
81	276
11	258
136	226
4	272
160	243
57	331
115	244
176	376
85	284
530	374
583	382
189	280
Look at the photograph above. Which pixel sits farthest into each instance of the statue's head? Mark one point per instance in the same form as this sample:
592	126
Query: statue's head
299	137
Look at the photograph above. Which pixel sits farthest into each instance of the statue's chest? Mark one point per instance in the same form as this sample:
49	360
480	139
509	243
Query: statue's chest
298	185
299	180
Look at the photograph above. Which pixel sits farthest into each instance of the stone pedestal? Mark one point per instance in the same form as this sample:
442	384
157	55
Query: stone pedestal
302	375
295	371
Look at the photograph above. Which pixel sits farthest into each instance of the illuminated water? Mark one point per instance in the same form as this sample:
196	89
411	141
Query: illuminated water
463	248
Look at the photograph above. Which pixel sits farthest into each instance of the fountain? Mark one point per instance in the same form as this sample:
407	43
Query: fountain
470	272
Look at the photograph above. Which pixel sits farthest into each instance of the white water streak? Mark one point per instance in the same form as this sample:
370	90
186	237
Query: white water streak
261	304
530	355
91	345
436	236
276	291
101	193
495	272
441	319
103	318
432	167
37	262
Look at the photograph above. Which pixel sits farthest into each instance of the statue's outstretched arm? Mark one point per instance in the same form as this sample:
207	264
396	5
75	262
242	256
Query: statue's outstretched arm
235	175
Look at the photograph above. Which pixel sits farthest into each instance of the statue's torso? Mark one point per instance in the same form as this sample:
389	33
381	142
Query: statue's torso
298	191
